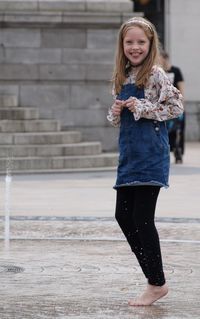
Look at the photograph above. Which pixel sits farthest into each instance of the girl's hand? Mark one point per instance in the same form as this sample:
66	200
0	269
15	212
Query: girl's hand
117	107
130	104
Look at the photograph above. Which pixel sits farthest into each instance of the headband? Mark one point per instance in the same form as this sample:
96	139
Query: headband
140	22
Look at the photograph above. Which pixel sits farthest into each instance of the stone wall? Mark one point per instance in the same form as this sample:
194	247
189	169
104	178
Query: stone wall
58	56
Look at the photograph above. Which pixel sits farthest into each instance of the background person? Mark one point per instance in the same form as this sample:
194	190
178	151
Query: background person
176	127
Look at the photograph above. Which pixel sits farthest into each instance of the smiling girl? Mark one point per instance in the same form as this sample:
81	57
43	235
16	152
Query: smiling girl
144	99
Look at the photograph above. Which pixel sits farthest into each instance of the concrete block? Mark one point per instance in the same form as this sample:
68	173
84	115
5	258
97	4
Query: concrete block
87	148
6	151
30	56
107	135
14	151
9	89
6	139
28	38
86	118
19	72
101	6
102	160
78	149
61	5
87	56
24	164
91	96
18	5
70	162
8	101
101	39
37	18
99	72
19	113
63	38
66	5
109	6
29	126
46	97
62	72
47	138
92	19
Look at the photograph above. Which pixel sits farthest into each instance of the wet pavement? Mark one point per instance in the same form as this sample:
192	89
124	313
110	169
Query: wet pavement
67	258
83	268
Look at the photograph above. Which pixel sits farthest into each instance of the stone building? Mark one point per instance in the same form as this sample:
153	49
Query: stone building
58	55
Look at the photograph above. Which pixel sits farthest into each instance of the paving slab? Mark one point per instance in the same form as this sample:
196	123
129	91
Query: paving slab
84	269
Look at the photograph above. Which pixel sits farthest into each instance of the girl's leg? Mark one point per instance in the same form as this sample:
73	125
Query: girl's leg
143	216
124	216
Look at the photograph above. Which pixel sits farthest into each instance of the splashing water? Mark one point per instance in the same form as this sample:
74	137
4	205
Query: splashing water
8	180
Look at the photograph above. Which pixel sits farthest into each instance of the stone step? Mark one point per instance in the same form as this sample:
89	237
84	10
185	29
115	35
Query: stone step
13	126
19	113
8	101
68	137
84	148
47	164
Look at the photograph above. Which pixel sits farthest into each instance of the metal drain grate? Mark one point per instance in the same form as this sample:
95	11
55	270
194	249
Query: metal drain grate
11	269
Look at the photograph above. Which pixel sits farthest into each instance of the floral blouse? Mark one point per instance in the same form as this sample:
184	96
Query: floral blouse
162	100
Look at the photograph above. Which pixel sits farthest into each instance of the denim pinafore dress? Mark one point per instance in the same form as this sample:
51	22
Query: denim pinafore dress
143	147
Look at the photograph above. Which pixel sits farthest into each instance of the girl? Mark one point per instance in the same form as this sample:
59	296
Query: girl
144	100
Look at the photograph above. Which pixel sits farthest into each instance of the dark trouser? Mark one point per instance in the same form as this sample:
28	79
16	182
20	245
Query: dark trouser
177	136
135	211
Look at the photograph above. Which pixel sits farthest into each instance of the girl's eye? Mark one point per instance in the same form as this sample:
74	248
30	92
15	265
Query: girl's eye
128	42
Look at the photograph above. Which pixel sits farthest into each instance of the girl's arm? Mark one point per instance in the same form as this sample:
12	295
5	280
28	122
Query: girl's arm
114	111
164	101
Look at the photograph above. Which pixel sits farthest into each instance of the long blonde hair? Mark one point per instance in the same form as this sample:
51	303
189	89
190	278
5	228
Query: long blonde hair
121	62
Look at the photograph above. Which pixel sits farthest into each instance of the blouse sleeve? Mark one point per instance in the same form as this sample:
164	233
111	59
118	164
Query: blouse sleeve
113	119
165	104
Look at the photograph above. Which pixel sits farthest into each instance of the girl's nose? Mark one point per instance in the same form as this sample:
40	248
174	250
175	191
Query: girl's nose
135	46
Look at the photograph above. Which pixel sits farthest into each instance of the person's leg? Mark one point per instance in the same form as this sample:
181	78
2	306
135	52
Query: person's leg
172	138
183	134
123	214
178	145
143	216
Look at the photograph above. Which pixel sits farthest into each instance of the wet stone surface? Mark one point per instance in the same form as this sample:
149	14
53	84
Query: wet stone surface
85	270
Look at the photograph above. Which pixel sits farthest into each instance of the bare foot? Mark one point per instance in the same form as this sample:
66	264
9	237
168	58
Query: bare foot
150	295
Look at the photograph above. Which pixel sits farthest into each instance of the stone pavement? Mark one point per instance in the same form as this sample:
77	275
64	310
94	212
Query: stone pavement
91	194
78	265
83	269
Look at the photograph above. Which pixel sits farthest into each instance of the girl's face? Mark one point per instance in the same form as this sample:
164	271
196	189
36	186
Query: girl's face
136	45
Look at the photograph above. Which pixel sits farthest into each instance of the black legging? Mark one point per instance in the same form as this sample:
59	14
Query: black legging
135	212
